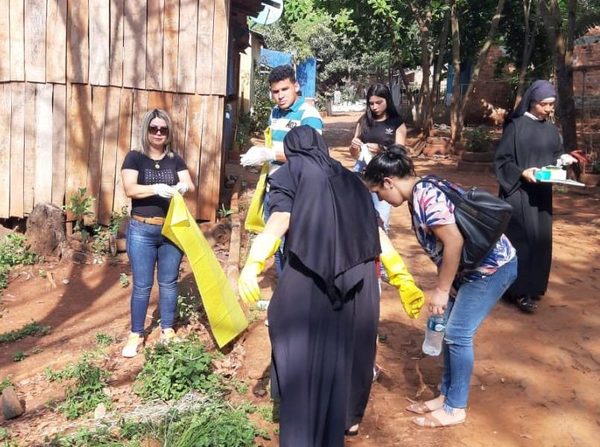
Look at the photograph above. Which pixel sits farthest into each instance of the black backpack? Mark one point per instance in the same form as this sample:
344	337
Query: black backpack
480	216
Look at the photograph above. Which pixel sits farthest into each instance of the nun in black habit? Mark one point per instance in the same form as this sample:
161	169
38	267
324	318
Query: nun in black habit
324	312
530	141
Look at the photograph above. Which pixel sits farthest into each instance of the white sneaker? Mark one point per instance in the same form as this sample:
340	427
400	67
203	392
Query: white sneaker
131	347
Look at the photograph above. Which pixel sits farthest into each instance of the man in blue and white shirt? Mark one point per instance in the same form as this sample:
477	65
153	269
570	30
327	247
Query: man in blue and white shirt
291	111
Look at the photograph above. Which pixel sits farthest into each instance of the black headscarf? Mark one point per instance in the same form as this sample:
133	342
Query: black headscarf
537	91
333	224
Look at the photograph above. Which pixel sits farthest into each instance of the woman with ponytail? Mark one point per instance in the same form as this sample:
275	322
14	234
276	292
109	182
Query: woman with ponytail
391	175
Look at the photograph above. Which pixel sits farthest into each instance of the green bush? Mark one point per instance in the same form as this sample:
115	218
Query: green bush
171	371
81	206
87	390
13	251
479	140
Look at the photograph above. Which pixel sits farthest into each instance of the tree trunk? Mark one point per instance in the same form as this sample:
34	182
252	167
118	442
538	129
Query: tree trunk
423	19
563	60
481	59
440	50
405	81
455	122
528	41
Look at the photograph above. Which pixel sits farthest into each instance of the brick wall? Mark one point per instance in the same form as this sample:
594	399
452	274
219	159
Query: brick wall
586	75
492	96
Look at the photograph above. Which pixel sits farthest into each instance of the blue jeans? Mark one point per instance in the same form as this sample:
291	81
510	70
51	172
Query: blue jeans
474	301
146	248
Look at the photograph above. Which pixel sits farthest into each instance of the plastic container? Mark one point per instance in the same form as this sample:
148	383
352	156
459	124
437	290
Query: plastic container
434	335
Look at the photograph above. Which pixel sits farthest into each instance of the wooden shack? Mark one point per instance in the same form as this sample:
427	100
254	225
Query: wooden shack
76	76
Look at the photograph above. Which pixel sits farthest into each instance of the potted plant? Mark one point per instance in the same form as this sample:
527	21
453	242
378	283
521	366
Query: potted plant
479	146
592	175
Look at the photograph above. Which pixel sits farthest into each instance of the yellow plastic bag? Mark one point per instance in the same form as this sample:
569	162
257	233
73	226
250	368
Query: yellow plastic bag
255	217
225	315
255	221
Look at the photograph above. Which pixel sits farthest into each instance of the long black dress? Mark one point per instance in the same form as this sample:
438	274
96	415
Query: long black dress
528	143
324	312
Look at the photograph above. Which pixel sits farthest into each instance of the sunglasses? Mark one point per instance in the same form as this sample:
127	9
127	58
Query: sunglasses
155	129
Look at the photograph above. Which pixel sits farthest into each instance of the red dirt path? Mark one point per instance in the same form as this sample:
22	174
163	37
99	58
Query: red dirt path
536	376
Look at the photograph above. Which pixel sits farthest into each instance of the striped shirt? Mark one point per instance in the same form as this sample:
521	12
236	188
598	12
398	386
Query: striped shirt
282	121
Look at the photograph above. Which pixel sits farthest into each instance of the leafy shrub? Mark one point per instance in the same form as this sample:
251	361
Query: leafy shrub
81	206
13	251
6	382
170	371
479	140
33	329
87	390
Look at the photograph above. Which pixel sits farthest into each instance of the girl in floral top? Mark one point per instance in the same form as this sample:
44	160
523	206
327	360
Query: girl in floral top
392	177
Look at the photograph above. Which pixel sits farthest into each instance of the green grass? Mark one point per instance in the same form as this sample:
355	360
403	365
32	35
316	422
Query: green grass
30	329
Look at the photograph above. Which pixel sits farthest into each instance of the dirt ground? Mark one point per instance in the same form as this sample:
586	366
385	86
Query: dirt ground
535	381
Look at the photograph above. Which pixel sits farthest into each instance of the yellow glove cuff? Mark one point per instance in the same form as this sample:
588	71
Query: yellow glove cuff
264	246
395	268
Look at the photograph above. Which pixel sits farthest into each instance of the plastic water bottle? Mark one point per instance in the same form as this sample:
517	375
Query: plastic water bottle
434	335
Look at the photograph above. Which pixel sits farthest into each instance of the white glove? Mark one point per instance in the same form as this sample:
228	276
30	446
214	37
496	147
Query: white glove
256	156
163	190
565	160
365	154
182	188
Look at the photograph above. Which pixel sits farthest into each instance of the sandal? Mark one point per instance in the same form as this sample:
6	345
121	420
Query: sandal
420	408
430	421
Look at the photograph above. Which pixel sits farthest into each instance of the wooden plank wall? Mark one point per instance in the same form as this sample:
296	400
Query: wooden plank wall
76	79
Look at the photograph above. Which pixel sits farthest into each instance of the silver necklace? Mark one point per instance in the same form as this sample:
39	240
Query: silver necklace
157	162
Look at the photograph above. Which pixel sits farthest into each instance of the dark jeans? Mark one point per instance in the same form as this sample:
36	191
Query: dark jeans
147	248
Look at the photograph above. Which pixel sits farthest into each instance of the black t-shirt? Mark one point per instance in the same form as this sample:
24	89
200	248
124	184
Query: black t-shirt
149	174
382	132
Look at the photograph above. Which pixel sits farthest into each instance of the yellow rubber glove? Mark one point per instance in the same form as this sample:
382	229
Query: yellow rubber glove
411	296
264	246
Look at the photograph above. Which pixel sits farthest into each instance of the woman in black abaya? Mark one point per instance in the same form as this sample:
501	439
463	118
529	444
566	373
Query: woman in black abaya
529	142
324	312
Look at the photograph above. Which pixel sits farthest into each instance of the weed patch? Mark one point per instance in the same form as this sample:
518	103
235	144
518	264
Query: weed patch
215	425
170	371
30	329
13	251
6	382
103	339
87	389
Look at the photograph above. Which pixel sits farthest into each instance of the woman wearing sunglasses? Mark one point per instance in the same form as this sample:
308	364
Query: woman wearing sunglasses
151	174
